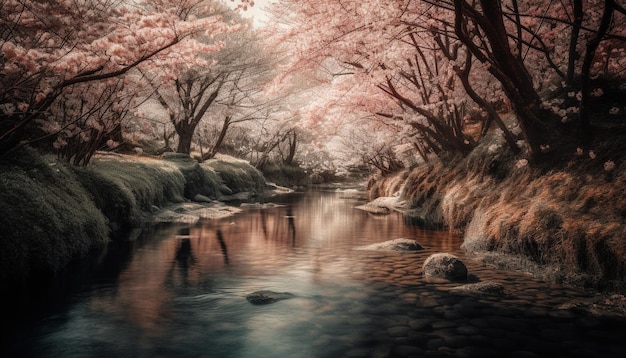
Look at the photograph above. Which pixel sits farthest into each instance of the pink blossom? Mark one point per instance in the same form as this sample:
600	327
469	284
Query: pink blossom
521	163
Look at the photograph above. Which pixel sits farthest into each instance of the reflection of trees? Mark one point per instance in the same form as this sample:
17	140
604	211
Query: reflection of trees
184	258
220	238
291	225
263	222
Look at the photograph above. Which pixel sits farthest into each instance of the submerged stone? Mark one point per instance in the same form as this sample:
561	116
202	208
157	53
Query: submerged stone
394	245
382	205
266	297
480	289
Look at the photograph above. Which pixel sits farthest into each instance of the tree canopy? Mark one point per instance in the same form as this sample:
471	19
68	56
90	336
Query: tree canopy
441	64
389	82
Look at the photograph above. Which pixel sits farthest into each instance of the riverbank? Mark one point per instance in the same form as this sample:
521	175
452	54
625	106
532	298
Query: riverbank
561	219
53	213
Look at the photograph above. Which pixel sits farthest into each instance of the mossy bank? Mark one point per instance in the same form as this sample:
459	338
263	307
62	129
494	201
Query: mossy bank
53	213
561	218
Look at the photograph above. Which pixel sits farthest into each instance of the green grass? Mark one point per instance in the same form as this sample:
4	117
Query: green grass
47	217
53	213
124	189
237	175
198	179
286	175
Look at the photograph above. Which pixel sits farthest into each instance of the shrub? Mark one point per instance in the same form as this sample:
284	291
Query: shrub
285	175
124	189
237	175
47	218
197	179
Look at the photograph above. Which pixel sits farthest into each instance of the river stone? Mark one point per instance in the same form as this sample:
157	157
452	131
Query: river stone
446	266
394	245
381	205
265	297
480	289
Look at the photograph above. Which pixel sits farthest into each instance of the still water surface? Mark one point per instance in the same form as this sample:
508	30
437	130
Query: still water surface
179	291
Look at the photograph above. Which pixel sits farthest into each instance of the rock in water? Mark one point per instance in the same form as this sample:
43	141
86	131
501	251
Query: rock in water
266	297
480	289
394	245
446	266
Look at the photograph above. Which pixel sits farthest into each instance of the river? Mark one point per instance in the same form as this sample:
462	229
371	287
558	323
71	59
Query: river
179	290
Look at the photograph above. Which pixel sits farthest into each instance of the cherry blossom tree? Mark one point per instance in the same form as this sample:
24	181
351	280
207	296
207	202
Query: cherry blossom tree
248	66
609	36
88	117
369	50
221	86
48	47
528	53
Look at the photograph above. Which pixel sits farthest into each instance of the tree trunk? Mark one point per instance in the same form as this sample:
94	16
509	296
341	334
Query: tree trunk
185	133
573	41
508	69
220	139
585	73
266	153
293	142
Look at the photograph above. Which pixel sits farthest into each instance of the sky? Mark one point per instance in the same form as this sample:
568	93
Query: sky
256	12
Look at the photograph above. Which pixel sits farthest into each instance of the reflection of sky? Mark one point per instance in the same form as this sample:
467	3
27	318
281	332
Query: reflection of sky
185	287
283	249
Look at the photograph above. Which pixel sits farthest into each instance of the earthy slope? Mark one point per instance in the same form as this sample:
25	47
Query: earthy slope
561	217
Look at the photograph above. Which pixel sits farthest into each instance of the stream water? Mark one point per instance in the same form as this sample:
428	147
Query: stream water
179	290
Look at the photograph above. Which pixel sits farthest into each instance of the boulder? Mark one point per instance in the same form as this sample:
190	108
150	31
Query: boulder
394	245
381	205
445	266
266	297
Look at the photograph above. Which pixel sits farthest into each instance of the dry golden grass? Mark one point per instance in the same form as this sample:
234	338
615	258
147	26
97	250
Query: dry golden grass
386	186
569	217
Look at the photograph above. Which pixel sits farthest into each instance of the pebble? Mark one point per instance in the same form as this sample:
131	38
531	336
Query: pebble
442	324
407	351
457	341
476	352
398	331
418	324
468	330
435	343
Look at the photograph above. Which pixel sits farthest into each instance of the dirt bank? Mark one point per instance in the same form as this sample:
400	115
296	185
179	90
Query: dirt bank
561	218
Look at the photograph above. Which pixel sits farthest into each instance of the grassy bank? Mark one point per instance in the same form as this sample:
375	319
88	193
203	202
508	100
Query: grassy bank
53	213
561	218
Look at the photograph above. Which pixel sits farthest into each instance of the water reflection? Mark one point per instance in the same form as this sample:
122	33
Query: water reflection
180	292
220	239
291	226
